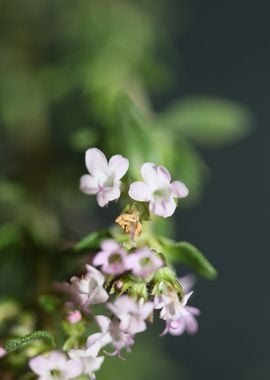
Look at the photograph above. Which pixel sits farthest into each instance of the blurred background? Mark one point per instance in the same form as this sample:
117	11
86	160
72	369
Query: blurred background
182	83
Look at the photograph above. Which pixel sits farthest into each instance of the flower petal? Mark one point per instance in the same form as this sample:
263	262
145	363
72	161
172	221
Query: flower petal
164	173
39	365
164	209
149	173
118	165
103	323
88	184
179	189
191	324
186	298
147	309
110	246
96	162
108	195
139	191
100	258
73	368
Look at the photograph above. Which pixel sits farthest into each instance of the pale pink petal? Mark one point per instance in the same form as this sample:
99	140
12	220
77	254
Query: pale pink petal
107	195
100	258
147	309
193	310
132	325
191	324
96	162
164	173
150	174
176	327
186	298
164	209
73	368
96	274
96	363
93	339
88	184
93	350
187	282
3	352
103	322
118	165
179	189
110	245
102	198
99	295
139	191
39	365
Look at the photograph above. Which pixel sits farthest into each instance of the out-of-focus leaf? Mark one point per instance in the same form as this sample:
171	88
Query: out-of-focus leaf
184	252
189	167
48	303
91	241
11	193
83	138
14	344
134	137
208	120
9	234
9	309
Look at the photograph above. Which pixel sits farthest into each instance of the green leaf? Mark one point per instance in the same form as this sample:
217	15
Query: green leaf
208	120
14	344
48	302
184	252
91	241
9	235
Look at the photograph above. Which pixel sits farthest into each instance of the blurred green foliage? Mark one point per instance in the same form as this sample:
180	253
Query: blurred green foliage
76	74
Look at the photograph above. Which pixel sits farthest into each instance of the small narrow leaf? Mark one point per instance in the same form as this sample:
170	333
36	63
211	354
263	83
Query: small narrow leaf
91	241
14	344
184	252
208	120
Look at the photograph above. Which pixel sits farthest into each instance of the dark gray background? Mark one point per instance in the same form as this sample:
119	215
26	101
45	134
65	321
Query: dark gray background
226	53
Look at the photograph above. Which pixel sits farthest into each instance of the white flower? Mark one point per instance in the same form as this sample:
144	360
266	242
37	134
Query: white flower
55	366
112	333
178	316
143	262
111	258
158	190
104	178
132	315
89	289
89	360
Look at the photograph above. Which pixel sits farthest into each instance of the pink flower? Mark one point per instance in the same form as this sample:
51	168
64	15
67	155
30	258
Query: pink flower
143	262
89	290
158	190
112	333
74	316
187	282
132	315
3	352
88	358
179	317
104	178
111	258
55	365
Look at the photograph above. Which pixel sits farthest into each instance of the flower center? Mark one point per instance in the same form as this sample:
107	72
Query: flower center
146	261
115	258
109	181
162	194
56	374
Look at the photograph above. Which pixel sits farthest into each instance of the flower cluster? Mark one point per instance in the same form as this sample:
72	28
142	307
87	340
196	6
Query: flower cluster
131	279
157	188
